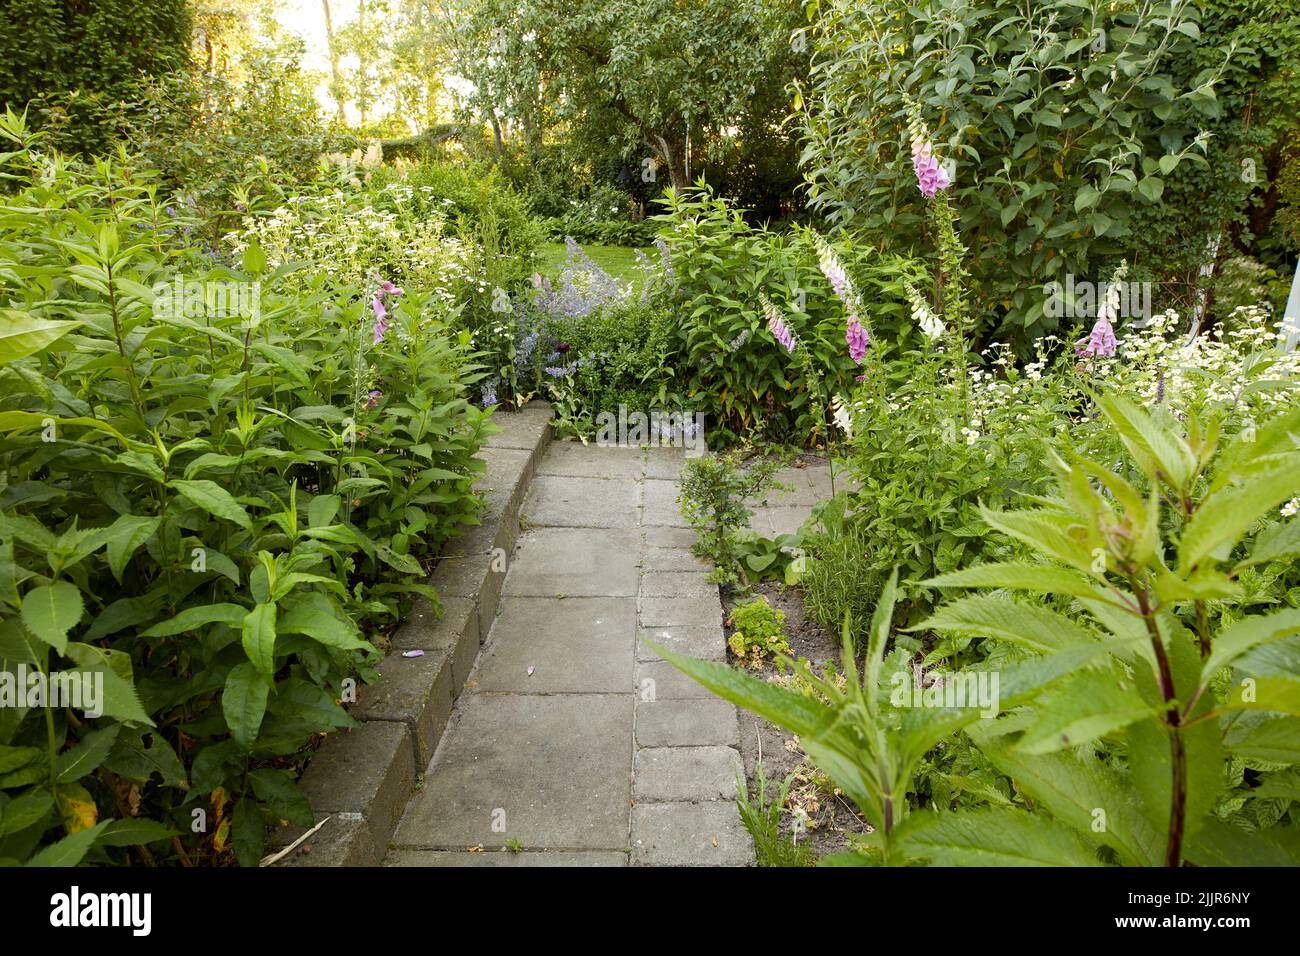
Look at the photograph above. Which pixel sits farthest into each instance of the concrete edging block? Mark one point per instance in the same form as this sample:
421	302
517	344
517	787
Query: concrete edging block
364	777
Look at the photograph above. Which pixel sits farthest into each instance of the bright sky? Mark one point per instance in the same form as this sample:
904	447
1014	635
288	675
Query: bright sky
307	19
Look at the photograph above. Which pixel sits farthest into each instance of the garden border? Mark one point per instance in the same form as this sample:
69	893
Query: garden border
361	779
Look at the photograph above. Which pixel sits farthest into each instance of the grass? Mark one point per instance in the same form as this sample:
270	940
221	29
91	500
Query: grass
618	261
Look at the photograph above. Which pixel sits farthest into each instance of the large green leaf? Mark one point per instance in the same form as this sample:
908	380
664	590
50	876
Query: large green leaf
994	837
244	703
22	334
1020	576
1080	791
1026	625
1281	540
71	849
1155	446
113	669
1247	634
259	637
51	610
125	536
314	615
213	499
134	832
1222	844
1223	516
25	810
1079	710
89	753
193	618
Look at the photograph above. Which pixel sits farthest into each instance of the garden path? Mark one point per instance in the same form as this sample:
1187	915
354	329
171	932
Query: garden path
572	742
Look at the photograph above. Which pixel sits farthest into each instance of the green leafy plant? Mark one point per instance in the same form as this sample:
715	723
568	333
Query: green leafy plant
716	492
215	507
1064	121
1128	714
759	632
743	380
762	818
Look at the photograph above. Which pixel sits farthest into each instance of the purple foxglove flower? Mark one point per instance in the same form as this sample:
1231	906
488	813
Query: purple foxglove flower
781	332
857	338
930	176
381	319
1100	341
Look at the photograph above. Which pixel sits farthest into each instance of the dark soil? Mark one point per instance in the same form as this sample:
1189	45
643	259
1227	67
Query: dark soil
831	816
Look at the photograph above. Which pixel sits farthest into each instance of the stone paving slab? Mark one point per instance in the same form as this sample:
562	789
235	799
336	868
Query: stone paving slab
691	722
548	771
673	559
507	858
669	683
665	537
575	562
685	773
661	507
592	461
690	834
574	645
676	584
568	502
664	462
667	612
703	641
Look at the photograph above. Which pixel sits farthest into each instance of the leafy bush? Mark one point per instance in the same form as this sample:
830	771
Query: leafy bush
212	505
477	203
592	345
1063	122
225	146
722	268
716	494
1135	731
78	68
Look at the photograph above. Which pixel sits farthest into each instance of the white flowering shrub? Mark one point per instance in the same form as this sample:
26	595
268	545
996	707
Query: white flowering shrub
350	243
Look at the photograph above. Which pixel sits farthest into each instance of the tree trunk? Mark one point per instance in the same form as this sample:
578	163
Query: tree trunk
672	154
334	63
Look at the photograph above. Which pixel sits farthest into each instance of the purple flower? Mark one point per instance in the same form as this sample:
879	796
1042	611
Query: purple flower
372	400
857	338
930	176
489	393
1100	341
778	327
381	319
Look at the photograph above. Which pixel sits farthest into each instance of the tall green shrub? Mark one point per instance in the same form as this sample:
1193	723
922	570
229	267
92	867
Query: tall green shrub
1063	118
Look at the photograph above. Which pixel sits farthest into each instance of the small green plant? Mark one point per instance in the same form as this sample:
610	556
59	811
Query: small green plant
769	559
715	497
763	821
515	845
759	632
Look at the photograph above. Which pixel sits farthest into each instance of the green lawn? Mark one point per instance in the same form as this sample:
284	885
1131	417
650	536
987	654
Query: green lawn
618	261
